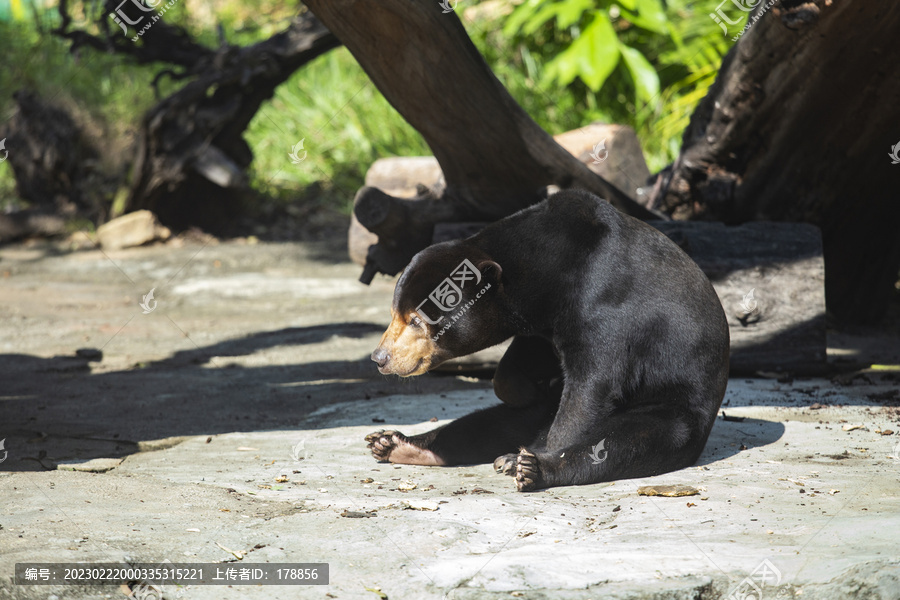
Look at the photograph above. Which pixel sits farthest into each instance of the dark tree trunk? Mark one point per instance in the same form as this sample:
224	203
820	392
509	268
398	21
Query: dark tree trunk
798	127
192	155
494	157
56	167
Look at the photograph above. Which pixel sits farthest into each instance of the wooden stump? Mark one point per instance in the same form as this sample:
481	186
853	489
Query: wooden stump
773	141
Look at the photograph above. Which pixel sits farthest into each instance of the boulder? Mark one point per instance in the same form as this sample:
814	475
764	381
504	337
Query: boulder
134	229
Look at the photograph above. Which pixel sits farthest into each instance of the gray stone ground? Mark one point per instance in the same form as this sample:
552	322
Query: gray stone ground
253	368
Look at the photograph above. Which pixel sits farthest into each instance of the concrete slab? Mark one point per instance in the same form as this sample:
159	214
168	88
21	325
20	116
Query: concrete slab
786	484
238	410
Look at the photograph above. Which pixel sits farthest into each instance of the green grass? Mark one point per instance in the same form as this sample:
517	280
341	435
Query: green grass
332	106
345	124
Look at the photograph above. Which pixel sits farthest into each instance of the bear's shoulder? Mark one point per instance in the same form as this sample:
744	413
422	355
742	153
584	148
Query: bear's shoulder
581	206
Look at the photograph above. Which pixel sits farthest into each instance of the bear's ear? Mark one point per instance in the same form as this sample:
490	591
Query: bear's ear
490	270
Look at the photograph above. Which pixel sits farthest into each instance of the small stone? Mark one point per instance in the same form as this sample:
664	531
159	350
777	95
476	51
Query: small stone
670	491
134	229
90	354
96	465
420	504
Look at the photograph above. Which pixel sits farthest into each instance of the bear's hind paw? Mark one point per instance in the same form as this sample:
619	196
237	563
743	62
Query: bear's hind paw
528	472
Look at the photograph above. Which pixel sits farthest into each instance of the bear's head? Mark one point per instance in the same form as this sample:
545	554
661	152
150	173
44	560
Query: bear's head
446	304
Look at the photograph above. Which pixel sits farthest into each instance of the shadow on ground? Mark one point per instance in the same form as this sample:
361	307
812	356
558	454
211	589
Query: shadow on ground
56	409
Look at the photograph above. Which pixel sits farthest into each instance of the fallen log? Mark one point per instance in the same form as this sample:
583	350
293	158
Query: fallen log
770	278
27	223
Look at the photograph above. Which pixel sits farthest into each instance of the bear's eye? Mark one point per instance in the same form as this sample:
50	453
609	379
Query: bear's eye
415	321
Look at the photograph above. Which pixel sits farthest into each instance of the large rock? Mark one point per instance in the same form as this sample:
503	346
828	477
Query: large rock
133	229
618	157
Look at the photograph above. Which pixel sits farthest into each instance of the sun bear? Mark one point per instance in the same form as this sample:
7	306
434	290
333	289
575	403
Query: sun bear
619	357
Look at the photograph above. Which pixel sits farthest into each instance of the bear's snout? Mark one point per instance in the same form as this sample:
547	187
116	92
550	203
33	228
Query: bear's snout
381	357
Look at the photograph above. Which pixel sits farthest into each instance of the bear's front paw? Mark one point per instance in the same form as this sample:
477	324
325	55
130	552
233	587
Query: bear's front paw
382	443
528	472
506	464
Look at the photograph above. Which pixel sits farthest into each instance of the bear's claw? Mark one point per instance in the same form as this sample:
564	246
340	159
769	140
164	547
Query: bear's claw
506	464
528	472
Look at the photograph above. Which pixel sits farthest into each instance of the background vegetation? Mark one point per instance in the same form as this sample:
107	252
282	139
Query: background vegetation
643	63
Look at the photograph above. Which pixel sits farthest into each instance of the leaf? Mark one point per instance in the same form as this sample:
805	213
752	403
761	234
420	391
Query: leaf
646	81
591	57
570	11
543	14
521	14
650	16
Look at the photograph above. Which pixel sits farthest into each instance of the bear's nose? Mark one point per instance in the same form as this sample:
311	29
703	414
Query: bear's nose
381	357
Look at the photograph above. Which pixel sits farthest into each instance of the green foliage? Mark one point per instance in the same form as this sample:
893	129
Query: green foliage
567	62
594	48
346	124
633	62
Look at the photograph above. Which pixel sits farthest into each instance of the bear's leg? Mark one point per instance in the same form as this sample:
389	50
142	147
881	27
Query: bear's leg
476	438
527	371
624	446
